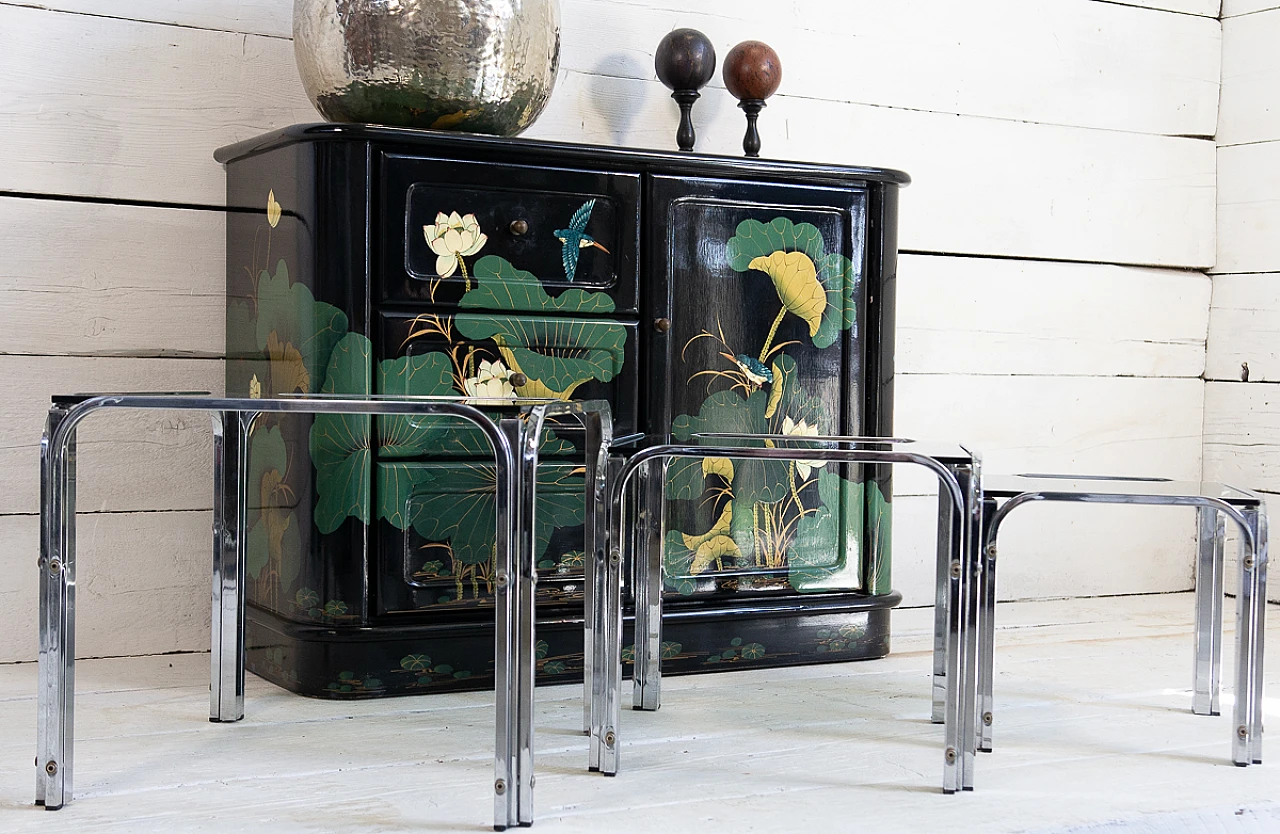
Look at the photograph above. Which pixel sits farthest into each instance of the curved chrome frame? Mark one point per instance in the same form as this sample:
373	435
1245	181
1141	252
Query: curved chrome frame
514	442
1248	512
959	491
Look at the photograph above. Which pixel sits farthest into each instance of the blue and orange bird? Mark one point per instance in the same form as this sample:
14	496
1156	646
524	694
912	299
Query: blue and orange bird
575	238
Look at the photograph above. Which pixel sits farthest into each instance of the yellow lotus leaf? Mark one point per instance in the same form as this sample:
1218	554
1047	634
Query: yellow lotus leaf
715	550
796	278
718	466
288	370
720	528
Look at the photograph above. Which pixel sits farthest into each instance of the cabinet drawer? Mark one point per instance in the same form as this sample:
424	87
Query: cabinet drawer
437	530
482	354
448	227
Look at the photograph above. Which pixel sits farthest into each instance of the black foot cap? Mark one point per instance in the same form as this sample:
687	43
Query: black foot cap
1242	764
526	825
947	792
611	774
984	749
594	769
969	788
499	828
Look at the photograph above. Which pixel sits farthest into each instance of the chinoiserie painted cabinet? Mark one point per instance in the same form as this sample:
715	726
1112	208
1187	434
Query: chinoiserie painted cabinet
695	293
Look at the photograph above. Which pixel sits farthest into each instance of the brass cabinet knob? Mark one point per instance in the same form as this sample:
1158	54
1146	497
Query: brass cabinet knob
662	325
518	380
519	227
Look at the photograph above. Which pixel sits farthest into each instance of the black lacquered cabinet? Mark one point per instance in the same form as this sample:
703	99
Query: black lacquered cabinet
696	294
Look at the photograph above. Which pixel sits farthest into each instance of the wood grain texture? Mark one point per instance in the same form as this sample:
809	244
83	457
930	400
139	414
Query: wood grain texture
260	17
1250	76
991	187
126	461
1242	434
1244	328
986	316
1081	425
92	279
142	585
1248	208
1078	62
102	107
1204	8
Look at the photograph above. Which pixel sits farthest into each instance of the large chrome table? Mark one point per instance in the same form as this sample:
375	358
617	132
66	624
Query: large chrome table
514	439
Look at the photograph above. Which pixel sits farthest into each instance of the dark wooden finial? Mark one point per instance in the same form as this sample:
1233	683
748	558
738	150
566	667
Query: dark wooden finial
752	73
685	62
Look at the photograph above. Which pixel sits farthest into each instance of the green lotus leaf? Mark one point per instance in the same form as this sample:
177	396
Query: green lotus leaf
402	436
823	555
559	353
455	503
500	286
415	663
753	651
340	442
671	649
677	558
839	280
880	528
753	239
729	411
292	313
717	550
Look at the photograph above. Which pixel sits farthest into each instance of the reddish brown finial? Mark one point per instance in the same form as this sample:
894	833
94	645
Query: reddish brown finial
752	73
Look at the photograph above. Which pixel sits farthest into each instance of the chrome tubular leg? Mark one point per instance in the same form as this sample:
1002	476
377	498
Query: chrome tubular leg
946	525
610	657
648	590
230	468
55	720
505	675
604	654
526	597
954	578
1211	532
971	486
1246	642
1258	521
986	629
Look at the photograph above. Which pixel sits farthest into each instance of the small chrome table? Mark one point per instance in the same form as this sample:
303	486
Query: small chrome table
959	528
514	439
1214	503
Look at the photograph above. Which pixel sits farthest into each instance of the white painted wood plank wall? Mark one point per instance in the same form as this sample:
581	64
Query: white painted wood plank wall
1056	162
1242	365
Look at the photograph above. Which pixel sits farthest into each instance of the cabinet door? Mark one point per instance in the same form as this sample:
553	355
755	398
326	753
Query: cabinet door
764	288
453	232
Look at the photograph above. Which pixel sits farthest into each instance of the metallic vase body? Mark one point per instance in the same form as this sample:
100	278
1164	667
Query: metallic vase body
485	66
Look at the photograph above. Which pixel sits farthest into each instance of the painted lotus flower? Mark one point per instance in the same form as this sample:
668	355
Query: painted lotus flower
802	429
451	238
492	382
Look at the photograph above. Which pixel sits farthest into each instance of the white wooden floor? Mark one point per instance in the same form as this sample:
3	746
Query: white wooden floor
1094	733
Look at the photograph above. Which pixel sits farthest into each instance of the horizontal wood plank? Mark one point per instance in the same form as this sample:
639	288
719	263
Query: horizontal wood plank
1248	208
987	316
1242	434
259	17
1058	550
1244	328
993	187
134	110
142	586
126	461
86	278
1204	8
1250	75
1080	425
1235	8
942	56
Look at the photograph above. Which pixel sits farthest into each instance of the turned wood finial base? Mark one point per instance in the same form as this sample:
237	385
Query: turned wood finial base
751	139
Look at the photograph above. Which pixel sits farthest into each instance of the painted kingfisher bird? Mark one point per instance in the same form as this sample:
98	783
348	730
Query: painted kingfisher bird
575	238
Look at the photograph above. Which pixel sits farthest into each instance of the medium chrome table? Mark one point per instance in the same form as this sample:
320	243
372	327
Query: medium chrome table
1214	503
514	440
959	528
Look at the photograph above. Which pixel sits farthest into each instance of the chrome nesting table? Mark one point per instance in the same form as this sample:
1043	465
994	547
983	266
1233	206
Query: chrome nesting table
1214	504
959	529
514	439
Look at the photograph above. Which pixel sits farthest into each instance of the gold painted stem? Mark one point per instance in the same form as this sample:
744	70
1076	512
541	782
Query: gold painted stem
773	331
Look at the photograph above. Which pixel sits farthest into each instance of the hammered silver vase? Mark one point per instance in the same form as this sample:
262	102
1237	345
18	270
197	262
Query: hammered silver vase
486	66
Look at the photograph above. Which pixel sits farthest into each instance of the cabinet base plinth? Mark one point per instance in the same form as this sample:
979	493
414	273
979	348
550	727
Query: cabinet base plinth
346	662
